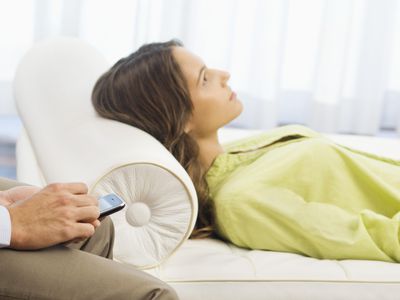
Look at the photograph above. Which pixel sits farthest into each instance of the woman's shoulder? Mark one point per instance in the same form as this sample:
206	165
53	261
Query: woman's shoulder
245	151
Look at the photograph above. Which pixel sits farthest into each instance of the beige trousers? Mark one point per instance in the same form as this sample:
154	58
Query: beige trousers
77	271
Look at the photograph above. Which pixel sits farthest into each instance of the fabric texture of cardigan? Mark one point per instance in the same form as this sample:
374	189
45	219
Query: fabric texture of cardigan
292	189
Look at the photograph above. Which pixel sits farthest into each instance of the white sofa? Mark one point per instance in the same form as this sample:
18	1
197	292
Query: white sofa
64	140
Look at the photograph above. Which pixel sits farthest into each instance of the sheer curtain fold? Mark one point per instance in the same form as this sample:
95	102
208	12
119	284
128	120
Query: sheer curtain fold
365	98
331	65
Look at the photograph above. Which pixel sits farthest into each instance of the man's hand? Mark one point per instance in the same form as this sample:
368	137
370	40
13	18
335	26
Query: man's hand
56	214
18	193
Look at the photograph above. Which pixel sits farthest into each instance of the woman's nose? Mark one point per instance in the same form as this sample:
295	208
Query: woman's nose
225	76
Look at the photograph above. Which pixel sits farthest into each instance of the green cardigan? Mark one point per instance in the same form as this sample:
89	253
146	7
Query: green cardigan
292	189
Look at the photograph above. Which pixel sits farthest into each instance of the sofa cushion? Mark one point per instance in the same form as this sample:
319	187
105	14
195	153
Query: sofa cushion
52	88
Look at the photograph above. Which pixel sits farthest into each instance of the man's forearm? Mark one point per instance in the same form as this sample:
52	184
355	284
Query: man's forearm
4	201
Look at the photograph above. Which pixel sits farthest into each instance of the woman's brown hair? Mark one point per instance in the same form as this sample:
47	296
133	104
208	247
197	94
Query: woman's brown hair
147	90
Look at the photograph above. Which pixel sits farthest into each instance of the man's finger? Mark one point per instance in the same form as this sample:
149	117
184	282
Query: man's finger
96	223
85	200
87	214
76	188
83	230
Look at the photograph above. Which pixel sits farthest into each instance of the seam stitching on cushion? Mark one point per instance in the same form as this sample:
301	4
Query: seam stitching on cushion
246	257
343	269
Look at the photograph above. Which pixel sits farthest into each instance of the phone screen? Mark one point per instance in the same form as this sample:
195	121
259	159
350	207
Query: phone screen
109	204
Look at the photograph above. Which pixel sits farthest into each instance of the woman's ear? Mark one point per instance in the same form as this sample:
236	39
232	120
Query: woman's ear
188	127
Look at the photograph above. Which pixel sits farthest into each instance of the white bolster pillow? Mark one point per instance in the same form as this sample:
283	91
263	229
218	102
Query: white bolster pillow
52	87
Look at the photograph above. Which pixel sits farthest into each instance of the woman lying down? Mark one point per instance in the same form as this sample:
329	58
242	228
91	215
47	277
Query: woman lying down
289	189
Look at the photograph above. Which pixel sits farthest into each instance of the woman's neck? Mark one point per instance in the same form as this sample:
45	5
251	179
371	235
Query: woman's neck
210	148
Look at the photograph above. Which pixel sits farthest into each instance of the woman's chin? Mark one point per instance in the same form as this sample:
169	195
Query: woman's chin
238	110
240	107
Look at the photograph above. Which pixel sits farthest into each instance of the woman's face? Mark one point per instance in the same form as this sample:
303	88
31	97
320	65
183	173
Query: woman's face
215	104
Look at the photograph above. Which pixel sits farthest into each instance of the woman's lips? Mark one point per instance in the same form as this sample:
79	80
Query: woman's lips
233	96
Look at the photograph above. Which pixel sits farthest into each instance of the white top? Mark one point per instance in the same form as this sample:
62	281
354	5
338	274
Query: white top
5	227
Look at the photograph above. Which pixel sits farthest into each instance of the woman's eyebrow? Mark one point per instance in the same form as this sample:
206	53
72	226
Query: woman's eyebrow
201	71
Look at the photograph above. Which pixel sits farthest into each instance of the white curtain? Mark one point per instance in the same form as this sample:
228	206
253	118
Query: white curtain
333	65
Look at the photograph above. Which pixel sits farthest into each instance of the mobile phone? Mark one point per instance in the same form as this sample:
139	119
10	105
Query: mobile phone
109	204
